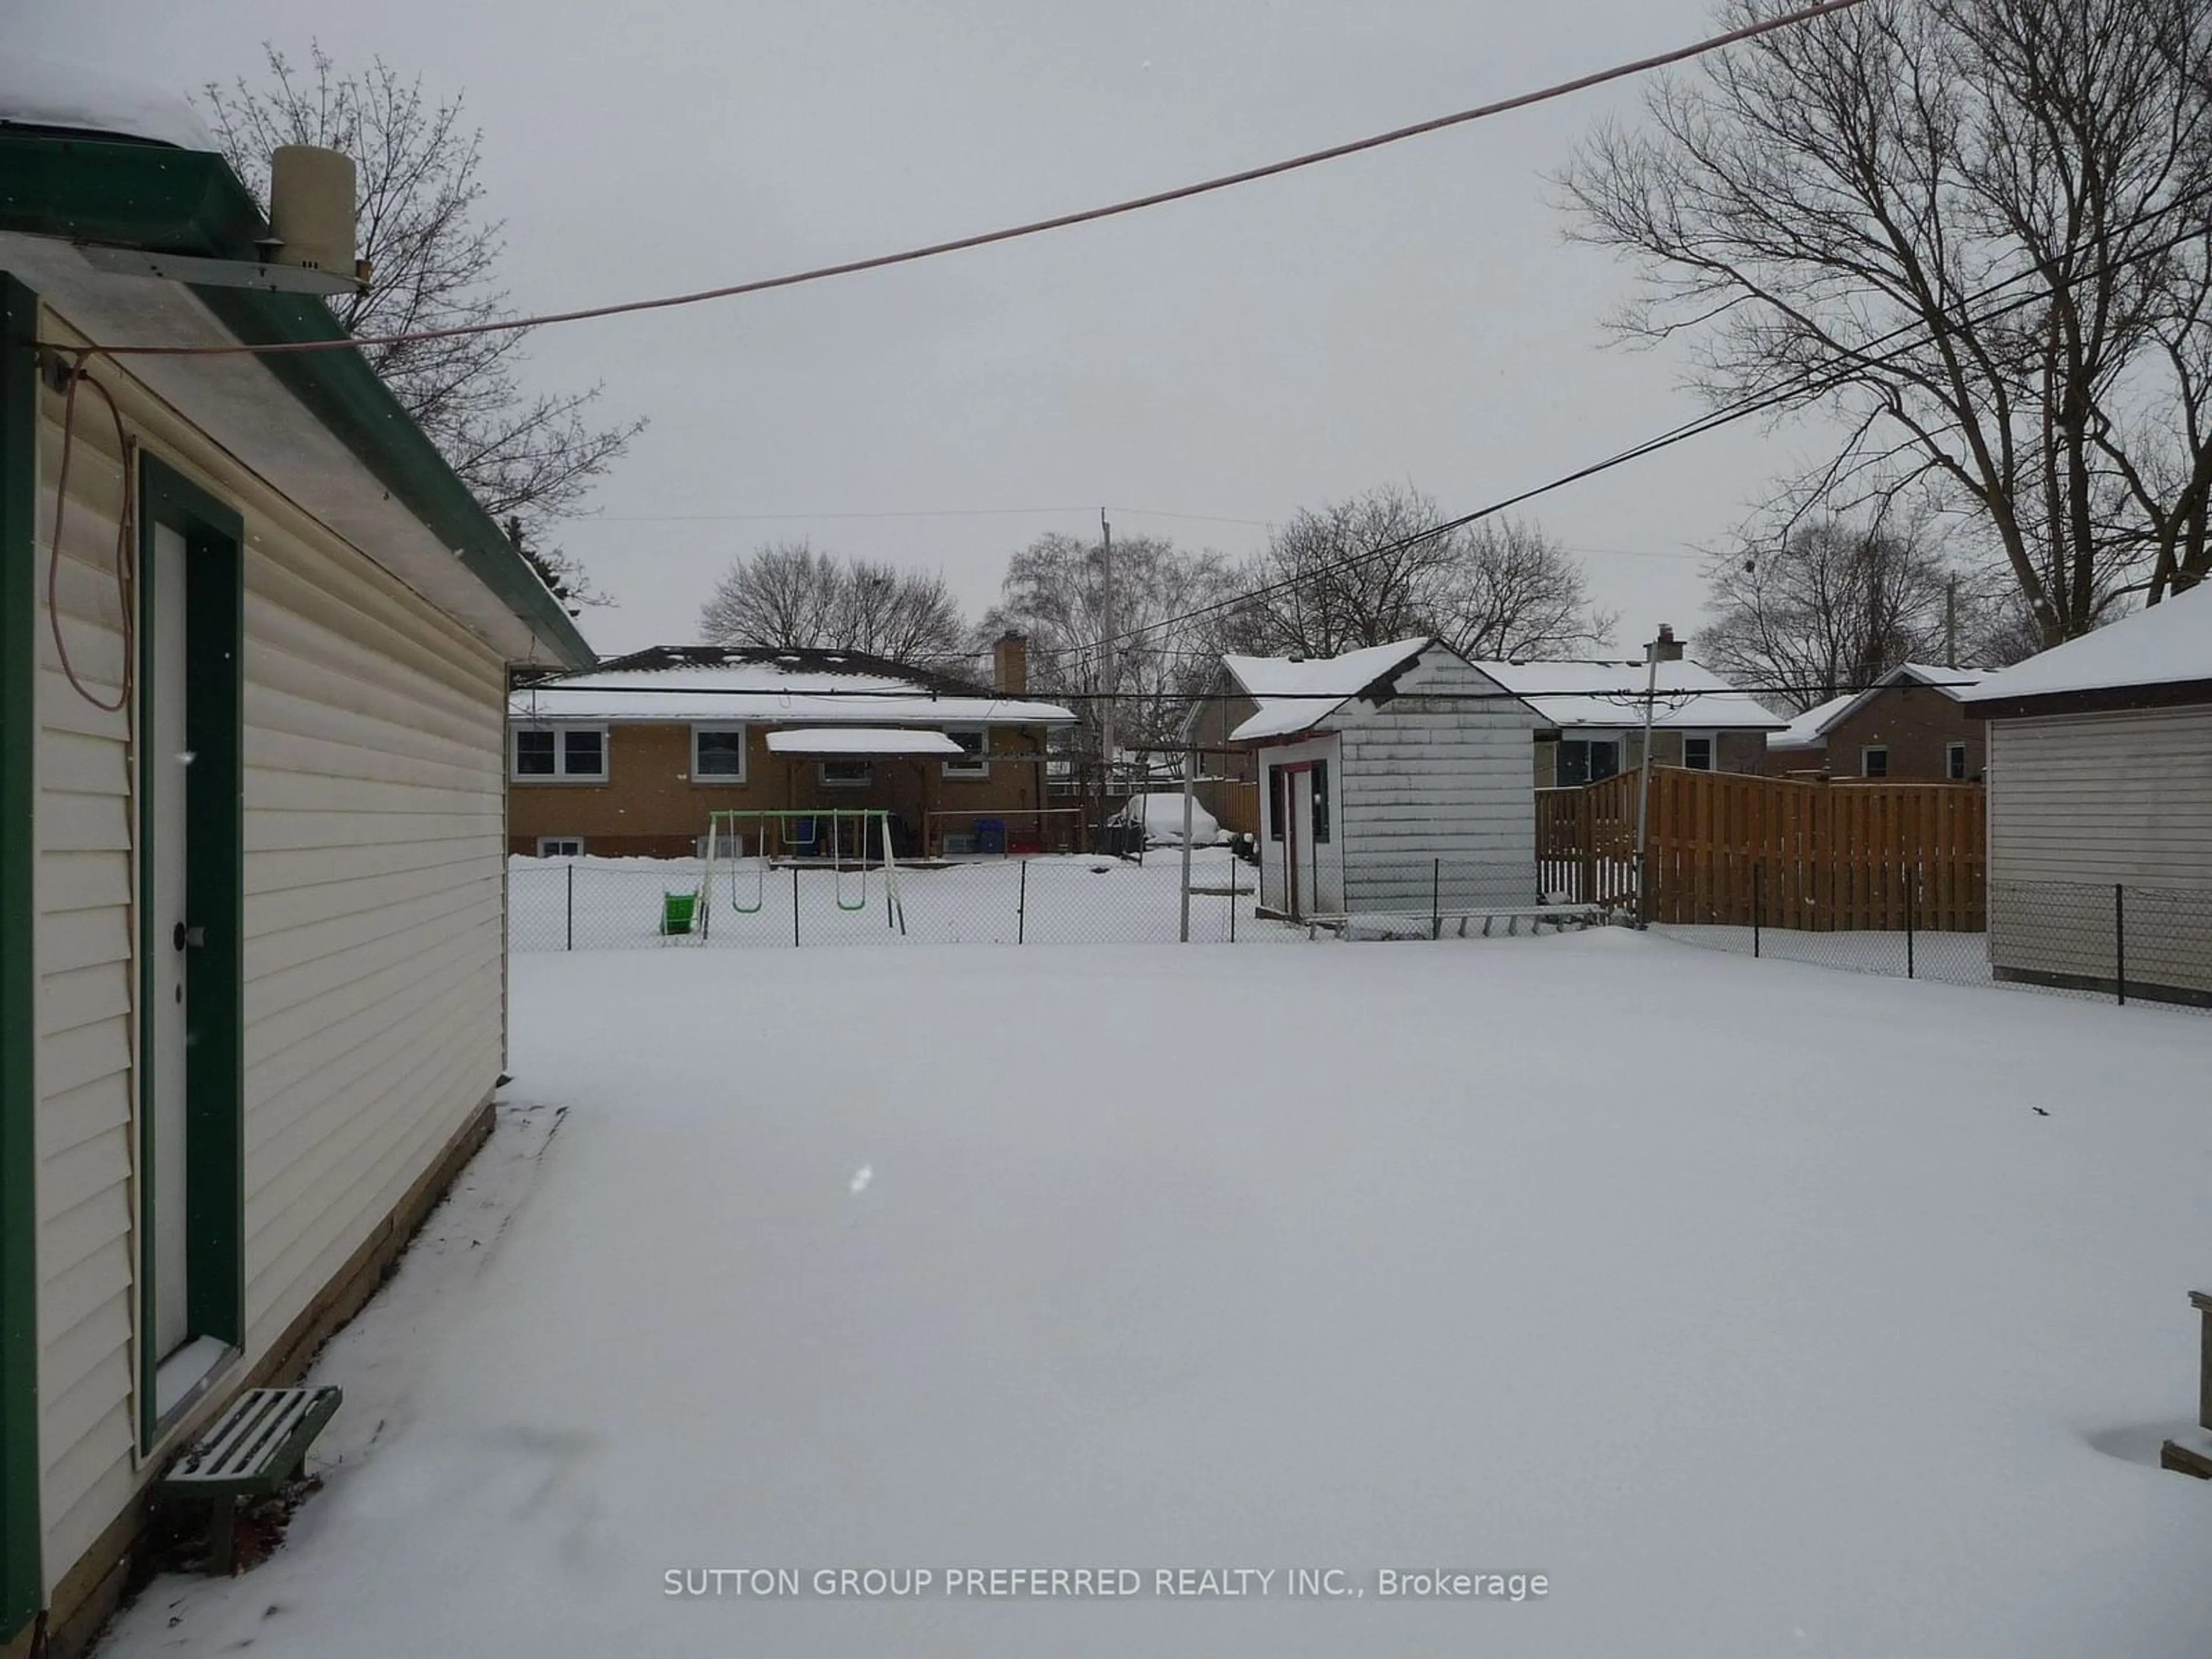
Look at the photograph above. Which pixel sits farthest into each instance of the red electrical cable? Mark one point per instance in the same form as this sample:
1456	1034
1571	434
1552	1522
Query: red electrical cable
123	519
1036	227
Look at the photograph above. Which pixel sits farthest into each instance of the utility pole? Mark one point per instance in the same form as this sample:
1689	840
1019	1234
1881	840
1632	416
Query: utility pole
1951	623
1106	677
1665	648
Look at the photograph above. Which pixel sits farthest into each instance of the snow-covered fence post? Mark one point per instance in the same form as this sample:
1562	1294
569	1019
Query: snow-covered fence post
1437	899
1757	905
1022	907
571	944
794	905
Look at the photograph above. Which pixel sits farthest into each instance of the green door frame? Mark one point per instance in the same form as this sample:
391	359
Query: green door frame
215	828
22	1587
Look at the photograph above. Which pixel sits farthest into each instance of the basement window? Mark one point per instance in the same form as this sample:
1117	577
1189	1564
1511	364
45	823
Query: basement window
560	846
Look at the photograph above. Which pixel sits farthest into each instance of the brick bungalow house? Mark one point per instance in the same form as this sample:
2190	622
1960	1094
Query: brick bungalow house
630	758
1910	726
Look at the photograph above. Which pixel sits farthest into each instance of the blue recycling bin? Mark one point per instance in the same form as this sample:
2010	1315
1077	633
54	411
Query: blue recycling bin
990	834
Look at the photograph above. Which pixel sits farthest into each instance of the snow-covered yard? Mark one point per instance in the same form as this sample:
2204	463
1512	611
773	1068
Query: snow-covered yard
1755	1307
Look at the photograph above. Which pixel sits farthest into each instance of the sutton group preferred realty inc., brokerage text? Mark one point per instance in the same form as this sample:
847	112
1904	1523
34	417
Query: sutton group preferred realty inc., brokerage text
1085	1583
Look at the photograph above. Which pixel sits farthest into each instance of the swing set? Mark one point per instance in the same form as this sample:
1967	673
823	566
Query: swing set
743	843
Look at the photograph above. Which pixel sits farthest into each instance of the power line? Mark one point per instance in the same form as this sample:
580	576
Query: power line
1034	228
1627	696
1087	509
750	517
1862	357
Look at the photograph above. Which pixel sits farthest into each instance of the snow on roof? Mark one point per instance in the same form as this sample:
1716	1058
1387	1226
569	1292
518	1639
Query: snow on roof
1810	728
1610	695
861	740
2168	643
1954	683
38	91
769	687
1293	694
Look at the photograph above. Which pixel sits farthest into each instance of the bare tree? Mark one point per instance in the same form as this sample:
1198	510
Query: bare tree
786	595
909	615
1511	592
1977	228
1055	593
1348	575
530	457
1365	572
1827	605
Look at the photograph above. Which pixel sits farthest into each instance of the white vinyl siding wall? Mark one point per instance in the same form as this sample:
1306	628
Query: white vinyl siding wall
375	763
2079	804
1444	775
87	995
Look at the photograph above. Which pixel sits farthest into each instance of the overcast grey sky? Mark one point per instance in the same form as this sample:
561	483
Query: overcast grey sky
1202	369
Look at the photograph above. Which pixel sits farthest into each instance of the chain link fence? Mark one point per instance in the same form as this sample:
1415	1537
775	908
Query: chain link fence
2122	943
593	904
2119	943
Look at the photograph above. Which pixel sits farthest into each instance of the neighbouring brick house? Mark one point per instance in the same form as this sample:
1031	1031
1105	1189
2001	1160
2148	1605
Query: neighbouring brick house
1912	726
630	758
1592	714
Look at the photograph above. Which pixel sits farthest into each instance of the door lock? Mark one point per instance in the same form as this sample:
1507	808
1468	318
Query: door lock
188	938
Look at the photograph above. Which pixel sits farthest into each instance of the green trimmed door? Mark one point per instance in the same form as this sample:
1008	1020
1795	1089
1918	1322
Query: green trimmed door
191	954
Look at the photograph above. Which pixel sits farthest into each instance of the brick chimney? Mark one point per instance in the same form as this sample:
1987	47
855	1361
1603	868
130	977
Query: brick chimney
1665	647
1010	663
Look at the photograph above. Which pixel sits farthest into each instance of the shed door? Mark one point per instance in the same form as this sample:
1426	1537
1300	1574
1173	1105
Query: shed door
166	772
190	949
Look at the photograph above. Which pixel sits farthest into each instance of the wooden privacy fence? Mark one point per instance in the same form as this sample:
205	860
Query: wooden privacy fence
1732	850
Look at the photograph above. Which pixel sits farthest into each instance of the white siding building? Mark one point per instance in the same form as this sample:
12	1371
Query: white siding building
2100	778
251	843
1391	779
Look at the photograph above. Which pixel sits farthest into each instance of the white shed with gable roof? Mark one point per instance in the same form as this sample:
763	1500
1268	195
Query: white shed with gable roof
1391	779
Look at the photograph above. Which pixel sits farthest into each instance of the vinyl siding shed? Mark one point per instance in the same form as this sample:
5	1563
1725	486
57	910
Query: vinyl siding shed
2100	779
276	562
1419	764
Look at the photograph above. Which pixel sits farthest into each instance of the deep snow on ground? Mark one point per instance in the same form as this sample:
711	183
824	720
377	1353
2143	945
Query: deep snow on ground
1754	1305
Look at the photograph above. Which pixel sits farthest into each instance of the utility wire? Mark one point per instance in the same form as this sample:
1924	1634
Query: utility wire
1863	357
1637	695
1034	228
